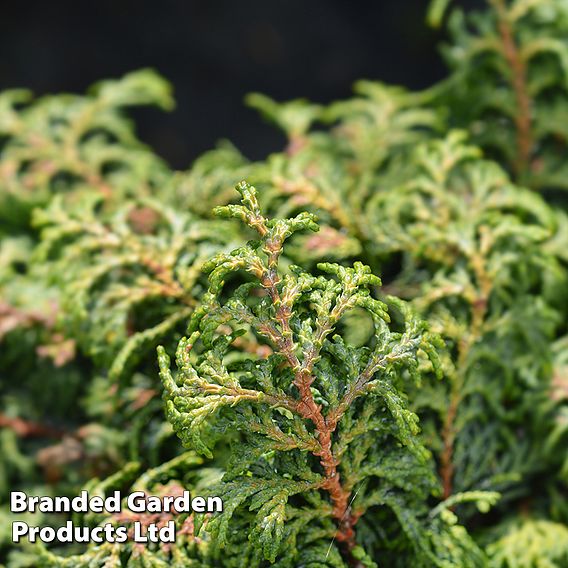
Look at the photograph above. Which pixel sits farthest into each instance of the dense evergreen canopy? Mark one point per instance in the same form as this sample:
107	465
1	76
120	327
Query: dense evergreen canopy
371	359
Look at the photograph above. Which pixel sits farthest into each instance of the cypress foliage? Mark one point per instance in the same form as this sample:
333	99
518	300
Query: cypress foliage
326	434
508	86
419	419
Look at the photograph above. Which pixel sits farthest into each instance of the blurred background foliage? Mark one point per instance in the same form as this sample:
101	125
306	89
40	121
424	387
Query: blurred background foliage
453	192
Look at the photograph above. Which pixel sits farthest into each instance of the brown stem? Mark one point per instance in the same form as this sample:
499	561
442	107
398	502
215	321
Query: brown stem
519	85
478	313
306	405
310	410
447	467
28	429
357	388
332	484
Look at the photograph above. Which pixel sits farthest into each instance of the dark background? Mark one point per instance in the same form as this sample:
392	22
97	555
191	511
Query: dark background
214	52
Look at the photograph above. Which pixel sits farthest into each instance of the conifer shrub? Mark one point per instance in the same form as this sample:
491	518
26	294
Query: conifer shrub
416	419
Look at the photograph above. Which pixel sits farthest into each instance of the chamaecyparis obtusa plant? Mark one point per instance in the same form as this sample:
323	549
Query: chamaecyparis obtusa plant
509	85
80	149
483	278
484	275
70	144
488	276
128	280
131	276
331	171
171	478
335	171
389	186
323	440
